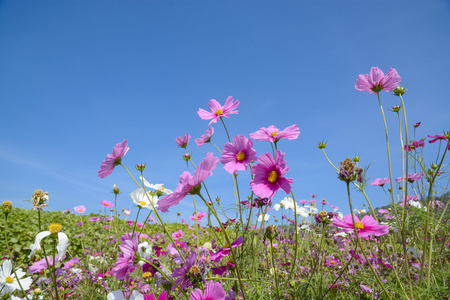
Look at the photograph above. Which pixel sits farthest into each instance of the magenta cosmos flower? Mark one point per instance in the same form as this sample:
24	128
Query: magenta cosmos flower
106	203
126	259
206	138
218	111
114	159
189	184
269	175
183	141
213	291
273	134
238	155
376	81
367	226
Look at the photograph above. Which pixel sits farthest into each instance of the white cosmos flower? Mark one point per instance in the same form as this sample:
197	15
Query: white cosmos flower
142	200
302	211
266	217
145	250
158	186
63	241
288	202
118	295
359	211
8	281
277	207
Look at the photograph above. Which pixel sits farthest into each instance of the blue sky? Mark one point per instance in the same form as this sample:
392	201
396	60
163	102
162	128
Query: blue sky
77	77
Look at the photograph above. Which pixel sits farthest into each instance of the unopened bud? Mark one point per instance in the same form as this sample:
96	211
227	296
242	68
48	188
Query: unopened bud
116	190
186	157
396	108
321	145
399	91
140	167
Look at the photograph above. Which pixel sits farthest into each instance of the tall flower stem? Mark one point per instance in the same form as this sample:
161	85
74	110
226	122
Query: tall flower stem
428	217
296	236
226	130
45	254
405	191
53	268
274	270
130	175
10	255
388	150
229	243
135	222
360	244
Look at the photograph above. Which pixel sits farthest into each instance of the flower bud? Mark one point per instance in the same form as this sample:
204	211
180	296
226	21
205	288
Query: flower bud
356	159
116	190
186	157
140	167
6	206
396	108
321	145
417	124
399	91
434	166
270	232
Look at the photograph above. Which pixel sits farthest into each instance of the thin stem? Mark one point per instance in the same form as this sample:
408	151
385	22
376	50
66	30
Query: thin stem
130	175
221	119
274	270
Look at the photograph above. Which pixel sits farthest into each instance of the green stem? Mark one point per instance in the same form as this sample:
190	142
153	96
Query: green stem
274	270
226	130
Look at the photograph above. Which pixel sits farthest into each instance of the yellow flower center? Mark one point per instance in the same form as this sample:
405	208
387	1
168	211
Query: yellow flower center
195	270
55	228
7	203
142	203
132	283
9	279
240	156
147	275
332	262
359	225
162	188
273	176
273	134
219	112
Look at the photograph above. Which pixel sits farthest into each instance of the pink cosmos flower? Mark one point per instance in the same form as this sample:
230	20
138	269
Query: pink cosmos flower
417	124
273	134
80	209
178	234
376	81
383	211
218	111
380	181
367	226
269	175
126	259
213	291
114	159
414	145
183	141
225	251
106	203
238	155
411	177
189	184
198	217
436	137
71	263
206	138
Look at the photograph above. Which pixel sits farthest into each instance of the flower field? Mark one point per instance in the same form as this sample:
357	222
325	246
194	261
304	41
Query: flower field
400	251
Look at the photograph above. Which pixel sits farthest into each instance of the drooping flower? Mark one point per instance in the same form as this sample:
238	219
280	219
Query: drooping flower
183	141
218	111
8	281
206	138
189	184
158	187
144	200
269	174
127	258
380	181
63	241
273	134
213	291
414	145
225	251
411	177
114	159
80	209
238	155
365	227
376	81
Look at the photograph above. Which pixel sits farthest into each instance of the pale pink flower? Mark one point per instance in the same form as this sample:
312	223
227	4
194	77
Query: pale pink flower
380	181
106	203
114	159
367	226
183	141
206	138
218	111
80	209
189	184
376	81
273	134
